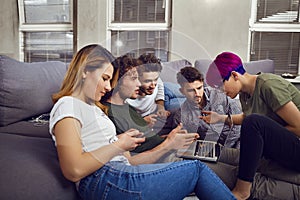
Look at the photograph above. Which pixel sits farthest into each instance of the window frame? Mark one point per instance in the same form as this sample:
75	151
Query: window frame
40	27
255	26
159	26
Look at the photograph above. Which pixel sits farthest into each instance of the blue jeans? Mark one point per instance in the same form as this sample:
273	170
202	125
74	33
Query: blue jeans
169	181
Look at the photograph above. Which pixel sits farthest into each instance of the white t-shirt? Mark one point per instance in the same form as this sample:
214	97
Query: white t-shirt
146	105
97	129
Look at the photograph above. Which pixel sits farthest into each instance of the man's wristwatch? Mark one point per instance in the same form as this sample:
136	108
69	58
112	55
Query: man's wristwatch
228	120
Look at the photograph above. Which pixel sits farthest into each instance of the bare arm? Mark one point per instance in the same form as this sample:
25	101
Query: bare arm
291	115
76	164
177	139
160	104
213	117
161	111
237	119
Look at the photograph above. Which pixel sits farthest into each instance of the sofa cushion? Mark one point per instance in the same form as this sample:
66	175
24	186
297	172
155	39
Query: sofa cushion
202	65
267	188
254	67
170	69
274	170
30	170
26	88
26	128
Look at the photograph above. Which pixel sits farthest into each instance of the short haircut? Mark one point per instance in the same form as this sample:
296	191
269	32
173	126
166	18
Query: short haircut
220	69
125	63
148	63
188	75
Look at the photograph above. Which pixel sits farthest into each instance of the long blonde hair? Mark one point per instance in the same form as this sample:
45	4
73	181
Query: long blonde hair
89	58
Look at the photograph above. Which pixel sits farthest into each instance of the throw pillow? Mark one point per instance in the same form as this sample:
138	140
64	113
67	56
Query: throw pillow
26	88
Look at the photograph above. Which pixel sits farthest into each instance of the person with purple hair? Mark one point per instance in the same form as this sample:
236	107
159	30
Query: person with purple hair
270	119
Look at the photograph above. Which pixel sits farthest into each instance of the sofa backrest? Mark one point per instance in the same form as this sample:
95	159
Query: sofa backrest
252	67
170	69
26	88
265	66
173	97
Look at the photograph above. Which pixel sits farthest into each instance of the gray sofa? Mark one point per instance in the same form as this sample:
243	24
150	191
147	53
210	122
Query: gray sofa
29	165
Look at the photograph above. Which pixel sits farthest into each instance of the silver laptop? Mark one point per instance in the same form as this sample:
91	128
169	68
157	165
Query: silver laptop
201	150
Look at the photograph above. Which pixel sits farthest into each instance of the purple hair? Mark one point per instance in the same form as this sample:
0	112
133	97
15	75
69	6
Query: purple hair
220	69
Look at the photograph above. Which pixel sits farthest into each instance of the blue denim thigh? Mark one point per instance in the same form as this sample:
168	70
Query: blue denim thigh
209	186
154	181
99	185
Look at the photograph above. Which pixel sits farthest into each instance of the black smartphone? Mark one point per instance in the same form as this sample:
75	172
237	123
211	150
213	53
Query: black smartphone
142	91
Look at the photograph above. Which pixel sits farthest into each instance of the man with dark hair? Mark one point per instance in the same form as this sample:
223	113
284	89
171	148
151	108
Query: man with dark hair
199	98
150	103
126	117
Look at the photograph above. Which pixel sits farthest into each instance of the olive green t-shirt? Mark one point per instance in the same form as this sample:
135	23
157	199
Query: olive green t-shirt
126	117
271	92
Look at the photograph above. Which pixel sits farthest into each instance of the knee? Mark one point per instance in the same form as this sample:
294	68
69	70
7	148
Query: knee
253	120
199	165
253	124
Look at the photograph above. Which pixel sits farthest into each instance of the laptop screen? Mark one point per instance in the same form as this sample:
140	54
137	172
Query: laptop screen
201	150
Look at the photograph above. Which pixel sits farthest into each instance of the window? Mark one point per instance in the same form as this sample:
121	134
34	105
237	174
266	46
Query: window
46	30
139	26
275	34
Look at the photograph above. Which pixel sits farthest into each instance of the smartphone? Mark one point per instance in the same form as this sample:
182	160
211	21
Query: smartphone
142	91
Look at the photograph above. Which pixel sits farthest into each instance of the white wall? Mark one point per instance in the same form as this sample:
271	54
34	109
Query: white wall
200	28
204	28
91	21
9	24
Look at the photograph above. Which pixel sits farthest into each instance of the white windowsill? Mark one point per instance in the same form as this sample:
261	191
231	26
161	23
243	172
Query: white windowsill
294	80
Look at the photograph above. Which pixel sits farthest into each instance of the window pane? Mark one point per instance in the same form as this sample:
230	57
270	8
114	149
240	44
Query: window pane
278	11
46	46
47	11
139	42
139	11
283	48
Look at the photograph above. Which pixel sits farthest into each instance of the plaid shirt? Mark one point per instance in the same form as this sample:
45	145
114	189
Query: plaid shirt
218	102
